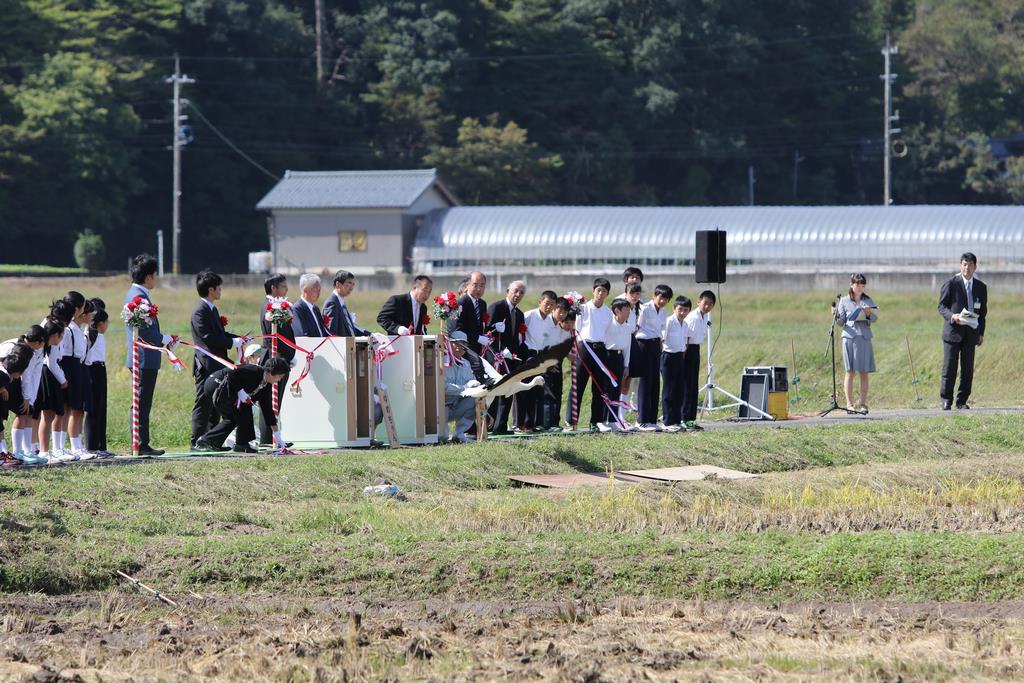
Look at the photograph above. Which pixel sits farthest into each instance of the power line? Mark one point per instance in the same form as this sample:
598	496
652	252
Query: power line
229	143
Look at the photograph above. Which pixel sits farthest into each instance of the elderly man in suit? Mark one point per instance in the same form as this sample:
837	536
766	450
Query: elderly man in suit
471	318
308	320
143	272
962	292
208	333
506	321
275	287
407	313
340	322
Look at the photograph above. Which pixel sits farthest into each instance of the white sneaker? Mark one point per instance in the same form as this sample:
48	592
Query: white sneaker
85	455
671	429
64	456
603	427
646	427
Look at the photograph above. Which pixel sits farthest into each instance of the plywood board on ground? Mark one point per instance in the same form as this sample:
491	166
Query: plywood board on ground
567	481
689	473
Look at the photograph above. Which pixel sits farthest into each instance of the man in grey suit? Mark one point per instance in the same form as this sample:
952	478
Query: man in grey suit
340	321
143	274
959	339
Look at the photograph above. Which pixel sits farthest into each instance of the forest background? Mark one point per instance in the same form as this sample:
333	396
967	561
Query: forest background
590	102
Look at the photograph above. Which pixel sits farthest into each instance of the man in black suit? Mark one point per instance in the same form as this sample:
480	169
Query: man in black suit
275	287
232	391
506	321
340	322
407	313
959	293
208	333
308	320
471	318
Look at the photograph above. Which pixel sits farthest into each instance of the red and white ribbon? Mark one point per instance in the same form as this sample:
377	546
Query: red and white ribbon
175	361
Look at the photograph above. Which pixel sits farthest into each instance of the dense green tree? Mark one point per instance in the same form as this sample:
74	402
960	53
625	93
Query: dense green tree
494	164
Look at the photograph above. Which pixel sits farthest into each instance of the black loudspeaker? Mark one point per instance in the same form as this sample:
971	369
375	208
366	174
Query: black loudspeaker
710	257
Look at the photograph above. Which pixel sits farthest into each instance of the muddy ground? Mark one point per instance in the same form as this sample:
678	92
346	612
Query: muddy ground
122	636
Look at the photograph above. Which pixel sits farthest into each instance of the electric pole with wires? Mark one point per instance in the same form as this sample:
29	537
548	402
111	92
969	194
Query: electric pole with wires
177	80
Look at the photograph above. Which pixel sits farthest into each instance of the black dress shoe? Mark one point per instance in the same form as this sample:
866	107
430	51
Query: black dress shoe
207	447
962	406
245	449
150	452
946	405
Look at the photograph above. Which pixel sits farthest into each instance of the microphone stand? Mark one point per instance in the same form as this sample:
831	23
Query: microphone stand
831	347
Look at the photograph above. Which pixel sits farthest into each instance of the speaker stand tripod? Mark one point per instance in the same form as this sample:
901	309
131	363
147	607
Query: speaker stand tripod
710	388
830	347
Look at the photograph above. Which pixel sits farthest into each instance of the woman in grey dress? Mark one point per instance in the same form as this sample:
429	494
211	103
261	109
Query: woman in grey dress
856	313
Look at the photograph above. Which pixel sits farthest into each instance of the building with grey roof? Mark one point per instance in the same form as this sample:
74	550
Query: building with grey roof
363	221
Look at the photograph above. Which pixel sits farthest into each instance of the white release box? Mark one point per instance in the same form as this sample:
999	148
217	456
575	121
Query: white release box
333	406
414	378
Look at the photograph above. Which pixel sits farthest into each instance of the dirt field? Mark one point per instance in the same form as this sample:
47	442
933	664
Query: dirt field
122	636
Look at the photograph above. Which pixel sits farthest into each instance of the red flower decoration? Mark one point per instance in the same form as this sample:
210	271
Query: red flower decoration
486	317
137	300
327	320
132	305
270	307
451	298
223	321
438	300
286	305
522	329
152	310
426	320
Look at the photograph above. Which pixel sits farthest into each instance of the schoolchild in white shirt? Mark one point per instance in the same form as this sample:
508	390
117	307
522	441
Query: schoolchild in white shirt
22	392
646	358
698	324
78	377
618	340
54	384
674	340
634	296
96	367
540	331
591	327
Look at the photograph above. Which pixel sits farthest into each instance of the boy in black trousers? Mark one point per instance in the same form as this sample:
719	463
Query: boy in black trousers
673	355
650	325
697	325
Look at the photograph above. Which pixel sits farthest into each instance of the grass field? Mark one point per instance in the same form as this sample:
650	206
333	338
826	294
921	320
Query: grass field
869	551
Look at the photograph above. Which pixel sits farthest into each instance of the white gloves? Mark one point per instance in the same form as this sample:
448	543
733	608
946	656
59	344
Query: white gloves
166	339
500	327
402	329
242	398
472	383
483	340
278	441
237	342
506	353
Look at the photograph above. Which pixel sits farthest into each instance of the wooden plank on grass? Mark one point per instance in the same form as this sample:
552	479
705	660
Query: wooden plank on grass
689	473
566	481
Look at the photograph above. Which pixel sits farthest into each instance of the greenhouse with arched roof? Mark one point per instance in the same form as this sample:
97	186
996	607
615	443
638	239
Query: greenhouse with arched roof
586	238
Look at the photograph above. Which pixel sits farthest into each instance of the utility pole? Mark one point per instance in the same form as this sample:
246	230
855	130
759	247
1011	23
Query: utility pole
750	185
888	119
318	11
797	160
177	80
